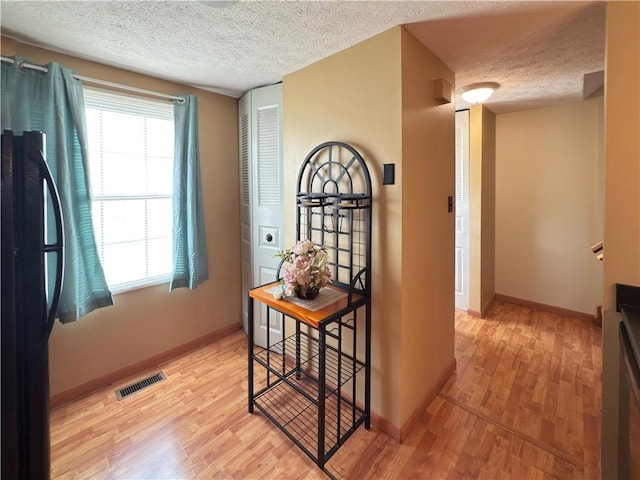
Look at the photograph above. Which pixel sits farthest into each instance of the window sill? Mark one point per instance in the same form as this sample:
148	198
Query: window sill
140	284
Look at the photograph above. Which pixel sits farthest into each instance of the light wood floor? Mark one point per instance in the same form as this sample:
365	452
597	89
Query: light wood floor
524	403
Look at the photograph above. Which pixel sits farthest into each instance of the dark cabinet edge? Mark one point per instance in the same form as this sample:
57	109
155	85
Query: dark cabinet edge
630	328
627	295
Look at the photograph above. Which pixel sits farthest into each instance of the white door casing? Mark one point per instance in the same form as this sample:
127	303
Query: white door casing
260	127
246	255
462	211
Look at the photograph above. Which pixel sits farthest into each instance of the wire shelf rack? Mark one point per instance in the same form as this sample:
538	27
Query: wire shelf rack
315	384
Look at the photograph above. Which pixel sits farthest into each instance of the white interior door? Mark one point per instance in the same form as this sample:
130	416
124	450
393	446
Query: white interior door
462	211
261	200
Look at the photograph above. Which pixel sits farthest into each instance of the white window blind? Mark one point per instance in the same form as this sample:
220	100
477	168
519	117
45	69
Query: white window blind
131	173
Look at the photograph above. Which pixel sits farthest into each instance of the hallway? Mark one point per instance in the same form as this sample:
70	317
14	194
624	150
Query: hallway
524	402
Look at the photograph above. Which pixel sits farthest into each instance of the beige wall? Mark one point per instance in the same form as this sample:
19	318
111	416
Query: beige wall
354	97
149	321
428	179
482	203
622	199
548	199
378	96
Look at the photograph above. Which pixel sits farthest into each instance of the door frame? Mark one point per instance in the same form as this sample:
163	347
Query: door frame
462	211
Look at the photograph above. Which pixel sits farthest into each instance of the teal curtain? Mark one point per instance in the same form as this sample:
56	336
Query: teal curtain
189	242
53	103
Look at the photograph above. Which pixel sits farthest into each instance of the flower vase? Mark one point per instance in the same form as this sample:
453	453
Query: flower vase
307	294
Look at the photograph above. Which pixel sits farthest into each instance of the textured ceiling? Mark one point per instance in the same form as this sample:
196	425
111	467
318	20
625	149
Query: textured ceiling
537	51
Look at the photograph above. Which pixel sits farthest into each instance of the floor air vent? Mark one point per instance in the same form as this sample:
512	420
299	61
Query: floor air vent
129	390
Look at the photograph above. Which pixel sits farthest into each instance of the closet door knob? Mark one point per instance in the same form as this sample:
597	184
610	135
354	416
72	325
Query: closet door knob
268	238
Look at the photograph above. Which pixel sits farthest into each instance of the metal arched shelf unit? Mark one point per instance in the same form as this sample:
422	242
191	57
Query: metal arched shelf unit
315	384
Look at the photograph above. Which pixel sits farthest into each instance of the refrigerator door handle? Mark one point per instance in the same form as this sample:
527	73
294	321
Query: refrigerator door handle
57	247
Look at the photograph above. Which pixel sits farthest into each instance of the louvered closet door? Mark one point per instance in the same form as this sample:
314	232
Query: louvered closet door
265	173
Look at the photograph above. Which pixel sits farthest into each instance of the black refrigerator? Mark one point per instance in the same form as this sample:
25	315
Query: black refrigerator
32	268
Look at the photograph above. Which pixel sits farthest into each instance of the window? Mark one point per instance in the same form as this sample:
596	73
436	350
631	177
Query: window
131	173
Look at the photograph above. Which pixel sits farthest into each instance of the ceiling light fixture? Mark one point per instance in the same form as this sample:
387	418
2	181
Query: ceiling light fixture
477	92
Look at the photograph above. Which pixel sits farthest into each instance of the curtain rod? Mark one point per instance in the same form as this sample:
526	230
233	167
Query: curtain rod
40	68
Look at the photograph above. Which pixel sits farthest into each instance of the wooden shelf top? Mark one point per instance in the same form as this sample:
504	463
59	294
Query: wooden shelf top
264	294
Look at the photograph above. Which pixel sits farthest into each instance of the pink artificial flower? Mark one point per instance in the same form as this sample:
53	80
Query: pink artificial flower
305	267
304	277
302	247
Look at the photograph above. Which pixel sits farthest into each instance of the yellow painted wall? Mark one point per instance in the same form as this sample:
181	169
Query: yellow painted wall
378	96
548	200
354	97
428	179
149	321
482	185
622	200
488	277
